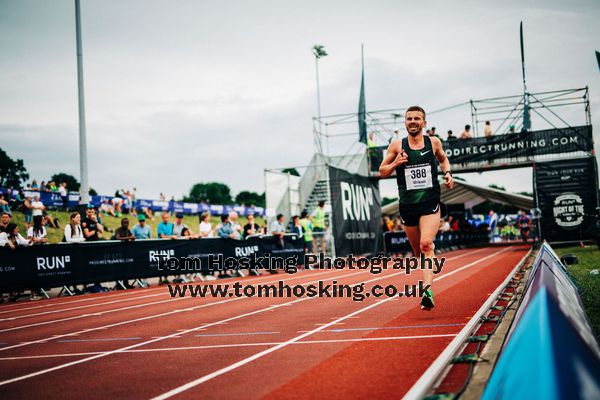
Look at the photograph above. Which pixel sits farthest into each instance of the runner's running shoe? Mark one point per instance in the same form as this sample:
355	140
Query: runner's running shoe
427	300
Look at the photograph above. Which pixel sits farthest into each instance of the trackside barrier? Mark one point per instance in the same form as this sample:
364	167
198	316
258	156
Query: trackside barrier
550	351
56	265
397	242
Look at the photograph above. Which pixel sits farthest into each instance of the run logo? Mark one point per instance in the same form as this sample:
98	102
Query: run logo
56	262
356	201
157	255
245	251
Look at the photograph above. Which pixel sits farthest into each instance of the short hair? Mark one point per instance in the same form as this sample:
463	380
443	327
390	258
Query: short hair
204	215
279	216
224	218
304	214
294	217
487	122
467	127
322	203
415	108
450	132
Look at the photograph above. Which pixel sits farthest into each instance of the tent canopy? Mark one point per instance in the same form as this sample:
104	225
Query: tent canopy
471	195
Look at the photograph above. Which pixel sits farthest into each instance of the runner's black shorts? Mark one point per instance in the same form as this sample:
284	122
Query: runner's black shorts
411	213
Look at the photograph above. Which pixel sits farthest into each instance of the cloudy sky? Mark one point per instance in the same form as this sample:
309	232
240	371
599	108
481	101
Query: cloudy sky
194	91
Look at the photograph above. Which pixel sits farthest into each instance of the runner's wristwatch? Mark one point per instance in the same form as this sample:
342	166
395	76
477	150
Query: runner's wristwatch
448	172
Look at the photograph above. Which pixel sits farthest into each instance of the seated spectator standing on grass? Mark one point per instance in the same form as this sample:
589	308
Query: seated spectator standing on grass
27	211
4	204
165	227
73	231
142	231
251	228
37	207
179	226
4	221
36	234
278	229
92	229
206	228
318	220
63	195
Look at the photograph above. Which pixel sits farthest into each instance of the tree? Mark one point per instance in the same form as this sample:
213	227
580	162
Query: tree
92	192
250	198
530	194
13	173
291	171
70	180
213	192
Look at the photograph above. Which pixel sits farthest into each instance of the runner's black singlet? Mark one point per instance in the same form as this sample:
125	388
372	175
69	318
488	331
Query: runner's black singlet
417	178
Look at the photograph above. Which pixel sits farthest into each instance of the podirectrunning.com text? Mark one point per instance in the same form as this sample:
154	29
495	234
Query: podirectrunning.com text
356	292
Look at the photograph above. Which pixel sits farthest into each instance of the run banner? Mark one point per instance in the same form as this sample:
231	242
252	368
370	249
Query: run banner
566	192
509	146
56	265
356	213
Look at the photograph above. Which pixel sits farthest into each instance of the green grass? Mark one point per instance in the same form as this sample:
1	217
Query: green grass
112	223
589	285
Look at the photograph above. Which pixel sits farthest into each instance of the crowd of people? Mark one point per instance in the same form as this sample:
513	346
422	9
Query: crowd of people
507	228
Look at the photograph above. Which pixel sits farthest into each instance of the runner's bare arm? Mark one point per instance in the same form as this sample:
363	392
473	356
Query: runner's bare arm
443	160
394	157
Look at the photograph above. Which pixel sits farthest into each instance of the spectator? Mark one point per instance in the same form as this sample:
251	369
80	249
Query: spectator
4	221
63	195
511	129
141	230
165	227
398	225
117	203
42	187
36	234
487	129
225	230
395	134
307	228
206	228
444	226
296	226
107	208
524	225
451	136
235	226
466	134
371	140
4	207
92	229
50	221
318	220
12	238
278	228
179	226
34	185
73	231
123	233
27	211
37	207
251	228
432	133
385	226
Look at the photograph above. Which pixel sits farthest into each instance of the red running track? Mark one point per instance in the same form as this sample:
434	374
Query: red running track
144	344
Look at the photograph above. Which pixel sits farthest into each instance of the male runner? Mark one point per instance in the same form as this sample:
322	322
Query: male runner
415	161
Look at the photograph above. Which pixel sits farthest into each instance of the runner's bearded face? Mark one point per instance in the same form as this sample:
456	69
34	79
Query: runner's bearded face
414	122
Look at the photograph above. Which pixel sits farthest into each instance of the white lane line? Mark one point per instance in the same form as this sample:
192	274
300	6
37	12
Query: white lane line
19	378
44	340
235	334
263	353
220	346
61	366
55	302
81	307
112	310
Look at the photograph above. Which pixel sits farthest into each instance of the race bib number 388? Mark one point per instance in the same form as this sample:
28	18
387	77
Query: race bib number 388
418	177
